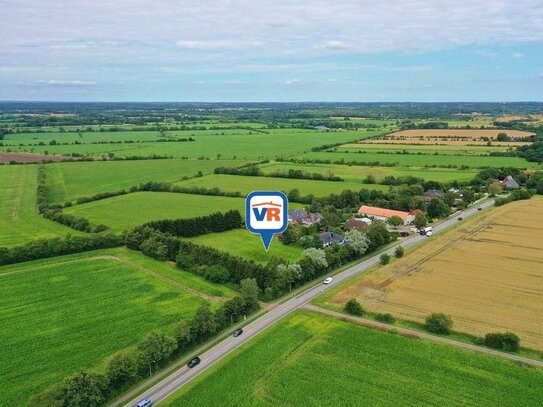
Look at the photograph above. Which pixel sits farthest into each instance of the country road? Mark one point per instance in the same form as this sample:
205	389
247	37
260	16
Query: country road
183	375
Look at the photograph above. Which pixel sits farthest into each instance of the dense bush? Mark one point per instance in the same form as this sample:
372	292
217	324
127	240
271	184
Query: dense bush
439	323
353	307
44	248
385	318
506	341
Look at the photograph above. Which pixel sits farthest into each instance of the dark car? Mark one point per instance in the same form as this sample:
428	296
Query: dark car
194	362
479	209
238	332
460	218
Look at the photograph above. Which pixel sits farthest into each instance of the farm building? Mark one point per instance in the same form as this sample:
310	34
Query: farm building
433	194
357	224
303	217
384	214
330	238
510	183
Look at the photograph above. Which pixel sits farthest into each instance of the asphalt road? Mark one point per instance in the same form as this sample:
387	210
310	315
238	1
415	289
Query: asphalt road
181	376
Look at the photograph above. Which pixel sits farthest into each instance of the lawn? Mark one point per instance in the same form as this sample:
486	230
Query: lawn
414	160
70	180
486	273
246	184
241	242
211	144
314	360
72	312
128	211
19	218
356	173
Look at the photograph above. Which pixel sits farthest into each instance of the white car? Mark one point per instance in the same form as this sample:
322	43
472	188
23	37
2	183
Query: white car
327	280
429	233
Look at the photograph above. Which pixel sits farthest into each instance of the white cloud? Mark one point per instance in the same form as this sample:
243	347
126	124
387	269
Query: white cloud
334	44
55	82
518	55
292	81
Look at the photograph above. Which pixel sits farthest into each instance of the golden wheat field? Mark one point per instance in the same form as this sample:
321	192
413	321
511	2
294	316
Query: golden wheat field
457	137
487	274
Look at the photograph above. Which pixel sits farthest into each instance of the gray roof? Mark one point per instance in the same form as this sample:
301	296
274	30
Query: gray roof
331	238
509	182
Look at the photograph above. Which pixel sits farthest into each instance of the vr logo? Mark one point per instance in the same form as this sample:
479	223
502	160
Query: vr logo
266	214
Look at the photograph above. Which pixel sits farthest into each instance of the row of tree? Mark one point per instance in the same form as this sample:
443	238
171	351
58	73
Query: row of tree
254	171
89	389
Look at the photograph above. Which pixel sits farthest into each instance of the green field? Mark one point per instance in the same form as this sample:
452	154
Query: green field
242	243
128	211
414	160
212	144
423	149
72	312
356	173
245	184
70	180
314	360
19	218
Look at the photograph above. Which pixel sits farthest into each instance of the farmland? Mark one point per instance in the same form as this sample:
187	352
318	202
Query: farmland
415	160
19	218
245	184
211	144
421	148
128	211
239	243
71	312
310	360
70	180
486	274
356	173
456	137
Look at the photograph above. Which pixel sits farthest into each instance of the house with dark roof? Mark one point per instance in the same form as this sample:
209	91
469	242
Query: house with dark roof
303	217
357	224
330	238
433	194
510	183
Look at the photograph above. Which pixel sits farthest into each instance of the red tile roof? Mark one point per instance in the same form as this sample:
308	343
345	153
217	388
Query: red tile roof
386	213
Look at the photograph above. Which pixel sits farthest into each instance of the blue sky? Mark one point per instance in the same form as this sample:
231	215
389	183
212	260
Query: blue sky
237	50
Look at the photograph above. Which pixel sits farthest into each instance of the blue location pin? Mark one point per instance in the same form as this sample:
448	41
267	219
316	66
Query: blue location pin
266	214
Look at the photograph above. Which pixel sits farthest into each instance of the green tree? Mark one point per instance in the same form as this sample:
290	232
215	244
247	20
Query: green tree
156	347
506	341
249	292
318	257
421	221
399	252
82	390
386	318
353	307
358	241
438	209
395	221
385	258
203	324
121	369
495	188
439	323
183	334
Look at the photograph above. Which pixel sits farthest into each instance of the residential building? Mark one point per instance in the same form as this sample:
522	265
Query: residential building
384	214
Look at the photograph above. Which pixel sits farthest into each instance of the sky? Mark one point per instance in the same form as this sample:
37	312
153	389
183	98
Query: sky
280	50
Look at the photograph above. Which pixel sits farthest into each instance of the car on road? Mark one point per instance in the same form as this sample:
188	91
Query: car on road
460	218
429	233
194	361
327	280
238	332
479	208
145	403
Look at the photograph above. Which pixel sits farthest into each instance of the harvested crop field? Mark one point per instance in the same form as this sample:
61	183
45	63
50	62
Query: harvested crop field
457	137
487	274
27	157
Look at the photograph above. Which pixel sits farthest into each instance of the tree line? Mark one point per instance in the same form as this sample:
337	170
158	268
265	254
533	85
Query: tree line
254	171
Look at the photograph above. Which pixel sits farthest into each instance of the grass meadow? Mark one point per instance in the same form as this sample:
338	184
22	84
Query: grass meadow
128	211
70	180
315	360
19	218
240	242
420	161
72	312
356	173
245	184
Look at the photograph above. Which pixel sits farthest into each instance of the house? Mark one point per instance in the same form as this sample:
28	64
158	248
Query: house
330	238
385	214
433	194
510	183
303	217
357	224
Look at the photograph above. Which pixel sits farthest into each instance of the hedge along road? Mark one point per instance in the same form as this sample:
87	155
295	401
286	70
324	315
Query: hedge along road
183	375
